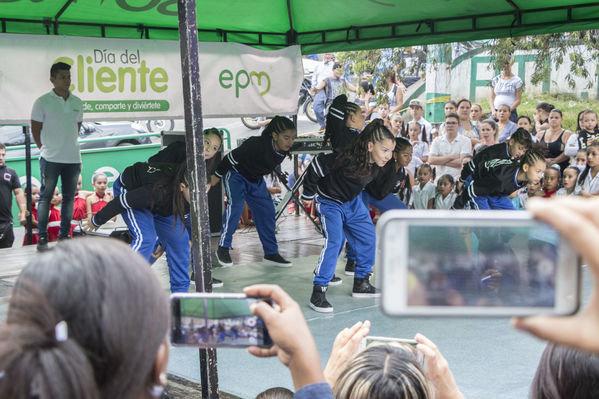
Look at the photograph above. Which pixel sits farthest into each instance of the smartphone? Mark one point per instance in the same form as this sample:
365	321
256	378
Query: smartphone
474	263
209	320
409	343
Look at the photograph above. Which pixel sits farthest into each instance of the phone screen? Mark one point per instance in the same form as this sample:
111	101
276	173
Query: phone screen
211	321
484	266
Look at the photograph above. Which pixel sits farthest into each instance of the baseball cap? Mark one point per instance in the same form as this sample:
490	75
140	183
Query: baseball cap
415	103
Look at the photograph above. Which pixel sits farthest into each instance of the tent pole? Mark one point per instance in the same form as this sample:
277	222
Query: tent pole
196	165
28	229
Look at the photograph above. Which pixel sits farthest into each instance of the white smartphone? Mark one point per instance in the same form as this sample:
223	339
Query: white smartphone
474	263
216	320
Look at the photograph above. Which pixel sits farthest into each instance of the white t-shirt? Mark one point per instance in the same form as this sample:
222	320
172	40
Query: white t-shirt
564	192
419	149
445	203
572	147
421	196
505	90
441	146
59	130
590	184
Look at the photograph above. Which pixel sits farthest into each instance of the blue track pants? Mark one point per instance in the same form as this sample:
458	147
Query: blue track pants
145	226
240	190
349	221
492	202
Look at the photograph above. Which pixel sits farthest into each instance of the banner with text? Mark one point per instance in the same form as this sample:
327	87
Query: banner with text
124	79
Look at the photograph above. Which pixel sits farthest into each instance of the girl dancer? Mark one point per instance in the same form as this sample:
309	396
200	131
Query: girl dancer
345	121
242	171
336	181
500	178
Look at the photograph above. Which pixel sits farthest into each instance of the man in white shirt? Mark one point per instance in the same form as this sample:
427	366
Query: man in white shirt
322	71
448	151
417	116
55	122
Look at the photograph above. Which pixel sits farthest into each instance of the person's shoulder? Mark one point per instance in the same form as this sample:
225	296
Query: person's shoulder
74	98
43	99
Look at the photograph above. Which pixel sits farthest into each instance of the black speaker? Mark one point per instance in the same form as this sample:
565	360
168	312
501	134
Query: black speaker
215	195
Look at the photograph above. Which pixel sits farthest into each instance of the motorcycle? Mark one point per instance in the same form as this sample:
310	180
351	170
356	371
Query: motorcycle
304	102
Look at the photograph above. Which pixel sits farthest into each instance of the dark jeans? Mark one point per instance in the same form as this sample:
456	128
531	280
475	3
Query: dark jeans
7	236
69	174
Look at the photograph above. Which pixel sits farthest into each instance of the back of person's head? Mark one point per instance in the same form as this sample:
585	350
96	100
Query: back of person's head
113	305
383	372
339	112
59	66
276	393
37	357
566	373
522	137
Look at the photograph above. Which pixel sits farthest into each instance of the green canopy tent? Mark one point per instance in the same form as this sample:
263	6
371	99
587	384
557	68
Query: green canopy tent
318	26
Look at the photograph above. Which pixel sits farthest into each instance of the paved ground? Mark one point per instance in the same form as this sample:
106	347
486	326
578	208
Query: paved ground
488	357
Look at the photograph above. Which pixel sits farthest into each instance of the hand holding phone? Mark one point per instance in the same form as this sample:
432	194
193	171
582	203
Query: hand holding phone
576	219
437	369
346	345
293	342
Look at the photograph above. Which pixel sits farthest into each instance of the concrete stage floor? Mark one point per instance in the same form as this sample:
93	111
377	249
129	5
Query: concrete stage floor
488	357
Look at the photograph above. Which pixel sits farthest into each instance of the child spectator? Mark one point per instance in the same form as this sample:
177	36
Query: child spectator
383	113
589	132
445	195
54	219
418	140
532	189
98	200
417	117
273	186
79	209
551	181
580	160
588	181
425	189
397	126
541	117
35	196
569	181
571	147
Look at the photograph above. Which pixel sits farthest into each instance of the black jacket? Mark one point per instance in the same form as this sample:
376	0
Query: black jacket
386	182
332	180
496	151
254	158
145	186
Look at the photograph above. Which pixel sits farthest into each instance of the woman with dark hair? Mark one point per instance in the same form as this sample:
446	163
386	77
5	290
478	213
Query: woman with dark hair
555	139
365	96
566	373
86	320
242	171
506	88
393	89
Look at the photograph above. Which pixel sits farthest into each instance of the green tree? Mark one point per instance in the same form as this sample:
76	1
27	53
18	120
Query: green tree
581	48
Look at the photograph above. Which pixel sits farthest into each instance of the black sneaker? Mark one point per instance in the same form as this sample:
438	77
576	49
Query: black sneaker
335	281
318	300
223	257
363	288
277	260
350	267
42	244
216	283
